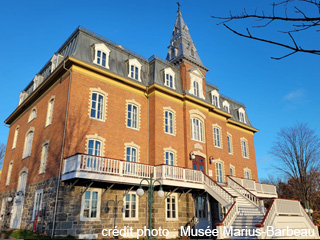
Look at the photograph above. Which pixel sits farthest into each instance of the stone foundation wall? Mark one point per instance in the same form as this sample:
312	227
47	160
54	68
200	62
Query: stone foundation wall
68	220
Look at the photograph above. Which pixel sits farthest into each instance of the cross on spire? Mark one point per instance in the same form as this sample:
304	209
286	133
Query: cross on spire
178	6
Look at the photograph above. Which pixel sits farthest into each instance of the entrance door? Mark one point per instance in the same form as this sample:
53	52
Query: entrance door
17	208
202	213
198	163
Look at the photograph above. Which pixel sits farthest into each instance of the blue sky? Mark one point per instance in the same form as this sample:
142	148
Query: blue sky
277	93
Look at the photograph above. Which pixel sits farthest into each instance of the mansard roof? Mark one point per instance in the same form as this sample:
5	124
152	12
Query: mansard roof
80	45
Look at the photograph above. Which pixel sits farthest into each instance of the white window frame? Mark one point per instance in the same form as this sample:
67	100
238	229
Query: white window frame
226	106
103	49
230	144
9	173
99	106
135	64
28	143
44	157
22	96
15	137
197	129
50	111
220	175
97	218
33	114
136	117
233	173
95	151
130	218
242	115
169	123
215	98
217	136
132	156
170	210
169	158
244	147
37	206
196	76
247	171
167	73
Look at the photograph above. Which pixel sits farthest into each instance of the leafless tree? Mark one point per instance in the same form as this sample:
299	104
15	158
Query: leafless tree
2	152
297	152
295	16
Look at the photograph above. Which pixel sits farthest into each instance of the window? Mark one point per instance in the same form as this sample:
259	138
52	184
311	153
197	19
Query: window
97	106
232	170
9	173
196	88
215	98
168	122
23	95
201	210
219	172
3	208
22	181
37	206
226	106
169	158
55	60
32	115
50	111
94	147
90	205
230	147
196	129
28	144
102	53
130	208
217	136
242	115
169	76
133	113
44	155
134	69
15	138
172	207
131	154
244	148
247	173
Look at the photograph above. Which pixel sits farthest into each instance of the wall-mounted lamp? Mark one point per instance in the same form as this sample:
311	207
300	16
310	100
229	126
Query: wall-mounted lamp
192	156
211	159
9	199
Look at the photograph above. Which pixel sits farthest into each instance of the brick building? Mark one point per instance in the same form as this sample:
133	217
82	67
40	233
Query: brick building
98	118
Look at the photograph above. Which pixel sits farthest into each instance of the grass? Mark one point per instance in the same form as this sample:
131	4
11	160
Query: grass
24	234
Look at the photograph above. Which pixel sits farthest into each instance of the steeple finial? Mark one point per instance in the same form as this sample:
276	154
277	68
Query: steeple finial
178	6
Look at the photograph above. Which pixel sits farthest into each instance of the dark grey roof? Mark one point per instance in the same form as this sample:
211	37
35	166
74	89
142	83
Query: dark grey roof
80	46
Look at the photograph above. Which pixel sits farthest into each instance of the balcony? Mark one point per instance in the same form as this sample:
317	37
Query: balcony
82	166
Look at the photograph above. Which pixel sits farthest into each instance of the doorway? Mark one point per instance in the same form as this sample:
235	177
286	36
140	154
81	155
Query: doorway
198	163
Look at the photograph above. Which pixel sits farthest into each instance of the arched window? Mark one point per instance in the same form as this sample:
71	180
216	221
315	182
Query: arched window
97	105
28	144
22	181
32	115
44	156
196	129
226	106
102	53
242	115
15	137
220	171
50	111
94	147
9	173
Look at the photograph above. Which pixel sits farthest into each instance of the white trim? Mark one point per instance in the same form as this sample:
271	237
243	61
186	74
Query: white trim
222	169
96	138
225	104
138	105
50	107
43	158
169	109
37	193
137	64
170	72
175	196
244	140
196	76
33	114
233	169
136	218
9	173
170	150
215	141
248	171
103	49
215	93
15	137
132	145
26	143
104	107
242	111
229	136
97	218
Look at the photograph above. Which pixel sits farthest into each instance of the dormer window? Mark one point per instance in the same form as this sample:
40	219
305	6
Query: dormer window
169	77
134	69
55	60
215	98
102	53
226	106
196	82
23	95
242	115
37	81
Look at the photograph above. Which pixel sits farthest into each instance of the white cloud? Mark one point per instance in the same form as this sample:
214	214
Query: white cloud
295	95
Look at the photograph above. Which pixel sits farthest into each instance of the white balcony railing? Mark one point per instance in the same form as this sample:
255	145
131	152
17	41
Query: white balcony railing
252	185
